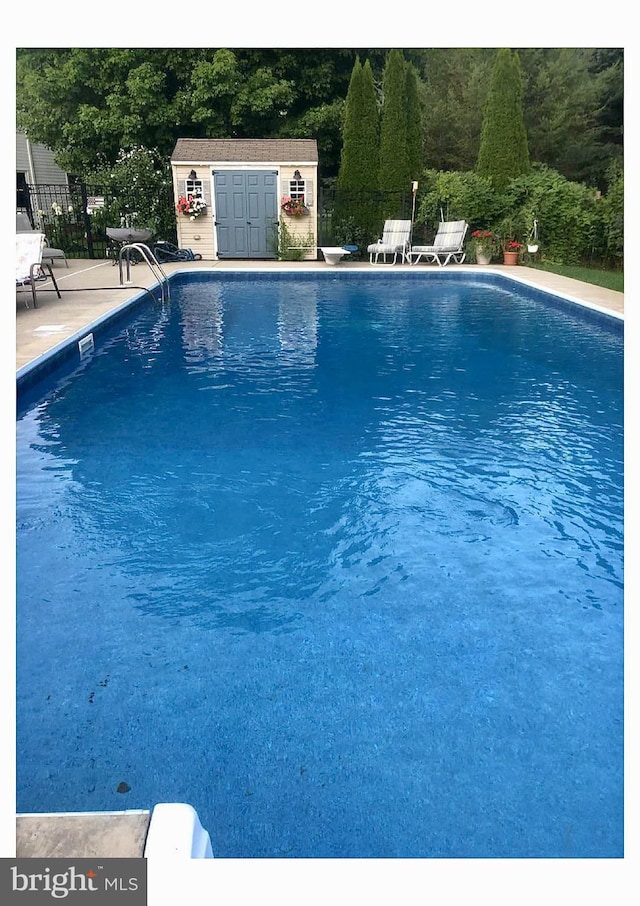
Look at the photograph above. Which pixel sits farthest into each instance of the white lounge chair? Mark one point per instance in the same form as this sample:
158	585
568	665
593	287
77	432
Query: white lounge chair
29	263
448	245
23	225
395	241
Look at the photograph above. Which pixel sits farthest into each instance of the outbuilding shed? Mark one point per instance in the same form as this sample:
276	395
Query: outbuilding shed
230	193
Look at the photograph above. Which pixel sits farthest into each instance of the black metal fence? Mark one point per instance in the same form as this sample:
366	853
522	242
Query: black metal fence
357	218
75	217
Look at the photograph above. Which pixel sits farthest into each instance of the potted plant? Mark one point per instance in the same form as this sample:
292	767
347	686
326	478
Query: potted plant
192	206
294	207
484	245
511	249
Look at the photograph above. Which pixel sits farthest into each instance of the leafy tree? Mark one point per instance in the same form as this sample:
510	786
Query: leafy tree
80	101
573	110
572	99
324	124
85	101
453	86
504	151
608	67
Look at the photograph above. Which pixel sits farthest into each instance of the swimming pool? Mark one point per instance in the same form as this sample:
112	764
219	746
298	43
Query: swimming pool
336	560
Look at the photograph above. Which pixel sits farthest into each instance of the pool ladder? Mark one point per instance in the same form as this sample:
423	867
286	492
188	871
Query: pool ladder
154	265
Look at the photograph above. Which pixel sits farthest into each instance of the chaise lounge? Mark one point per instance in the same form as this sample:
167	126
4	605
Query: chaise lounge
395	241
448	245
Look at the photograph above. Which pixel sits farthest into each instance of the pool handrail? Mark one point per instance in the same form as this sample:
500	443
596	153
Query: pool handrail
154	265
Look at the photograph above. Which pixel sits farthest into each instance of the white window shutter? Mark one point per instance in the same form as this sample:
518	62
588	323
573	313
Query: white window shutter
308	192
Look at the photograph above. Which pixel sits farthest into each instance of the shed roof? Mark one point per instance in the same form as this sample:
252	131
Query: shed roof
267	150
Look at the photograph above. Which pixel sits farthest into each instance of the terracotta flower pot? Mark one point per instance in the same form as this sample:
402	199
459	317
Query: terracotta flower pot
511	258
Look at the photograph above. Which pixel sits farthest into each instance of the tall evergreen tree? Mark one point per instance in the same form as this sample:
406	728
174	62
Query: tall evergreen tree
358	173
504	151
394	166
415	155
360	133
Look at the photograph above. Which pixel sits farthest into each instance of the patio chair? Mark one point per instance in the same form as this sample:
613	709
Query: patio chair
23	225
29	263
395	241
448	245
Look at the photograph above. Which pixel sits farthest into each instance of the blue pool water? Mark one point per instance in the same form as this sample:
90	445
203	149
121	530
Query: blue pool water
336	561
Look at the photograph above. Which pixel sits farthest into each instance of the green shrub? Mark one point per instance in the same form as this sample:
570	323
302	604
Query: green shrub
458	196
575	224
570	215
348	232
139	186
613	216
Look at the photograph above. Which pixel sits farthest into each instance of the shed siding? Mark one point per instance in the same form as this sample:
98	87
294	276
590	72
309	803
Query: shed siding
243	154
305	227
196	235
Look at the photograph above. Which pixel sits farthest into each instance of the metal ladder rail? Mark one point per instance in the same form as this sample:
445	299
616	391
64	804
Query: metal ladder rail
154	265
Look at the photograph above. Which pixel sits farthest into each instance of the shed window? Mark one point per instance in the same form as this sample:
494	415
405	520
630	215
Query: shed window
298	190
194	187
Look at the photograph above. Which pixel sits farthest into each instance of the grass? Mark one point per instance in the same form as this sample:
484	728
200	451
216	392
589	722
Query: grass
609	279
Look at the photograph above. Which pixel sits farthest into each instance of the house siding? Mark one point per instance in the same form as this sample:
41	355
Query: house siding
39	167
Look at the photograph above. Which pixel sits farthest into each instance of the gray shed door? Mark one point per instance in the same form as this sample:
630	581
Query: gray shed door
246	213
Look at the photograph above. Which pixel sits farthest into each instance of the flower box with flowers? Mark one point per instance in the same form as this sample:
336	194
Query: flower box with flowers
294	207
192	206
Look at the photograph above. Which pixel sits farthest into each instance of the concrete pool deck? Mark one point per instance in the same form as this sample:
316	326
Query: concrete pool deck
90	290
82	835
